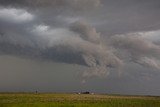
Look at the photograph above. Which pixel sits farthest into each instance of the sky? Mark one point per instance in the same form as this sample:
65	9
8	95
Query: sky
102	46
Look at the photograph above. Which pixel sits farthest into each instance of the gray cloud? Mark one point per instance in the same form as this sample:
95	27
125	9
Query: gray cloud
80	44
101	37
76	4
86	31
140	49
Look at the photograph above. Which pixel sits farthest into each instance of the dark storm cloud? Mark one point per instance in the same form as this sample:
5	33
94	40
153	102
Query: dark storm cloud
80	45
97	34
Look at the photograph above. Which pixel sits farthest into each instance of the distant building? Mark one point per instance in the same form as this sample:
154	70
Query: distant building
87	92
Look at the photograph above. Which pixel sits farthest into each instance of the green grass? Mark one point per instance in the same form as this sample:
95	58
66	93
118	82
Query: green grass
74	100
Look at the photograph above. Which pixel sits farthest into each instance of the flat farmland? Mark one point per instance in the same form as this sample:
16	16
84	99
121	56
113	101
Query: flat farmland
75	100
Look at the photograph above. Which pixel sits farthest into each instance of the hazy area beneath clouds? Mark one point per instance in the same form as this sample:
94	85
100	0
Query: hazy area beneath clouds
98	41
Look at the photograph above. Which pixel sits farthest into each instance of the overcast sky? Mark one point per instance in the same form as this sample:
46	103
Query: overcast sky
102	46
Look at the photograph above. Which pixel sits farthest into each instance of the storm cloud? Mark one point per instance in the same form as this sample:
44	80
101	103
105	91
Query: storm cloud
79	44
102	37
139	49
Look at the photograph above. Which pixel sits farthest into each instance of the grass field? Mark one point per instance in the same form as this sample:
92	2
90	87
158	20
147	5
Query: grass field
75	100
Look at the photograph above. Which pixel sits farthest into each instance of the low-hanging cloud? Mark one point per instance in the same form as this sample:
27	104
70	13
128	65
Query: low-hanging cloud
22	33
79	44
82	45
